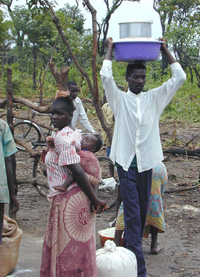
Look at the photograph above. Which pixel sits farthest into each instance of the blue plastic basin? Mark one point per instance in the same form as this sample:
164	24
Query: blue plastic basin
128	51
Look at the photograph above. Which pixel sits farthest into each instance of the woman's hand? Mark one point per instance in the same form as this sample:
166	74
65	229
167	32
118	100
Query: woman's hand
50	142
101	206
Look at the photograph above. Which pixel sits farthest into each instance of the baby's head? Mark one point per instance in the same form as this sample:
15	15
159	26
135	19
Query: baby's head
91	142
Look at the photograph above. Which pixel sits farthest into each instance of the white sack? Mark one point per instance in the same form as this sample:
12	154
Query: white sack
115	261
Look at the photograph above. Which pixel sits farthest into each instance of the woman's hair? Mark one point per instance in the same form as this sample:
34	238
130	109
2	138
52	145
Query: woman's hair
71	83
99	142
130	67
65	103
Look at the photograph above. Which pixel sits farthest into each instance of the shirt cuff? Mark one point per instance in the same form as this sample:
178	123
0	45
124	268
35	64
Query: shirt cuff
107	63
175	65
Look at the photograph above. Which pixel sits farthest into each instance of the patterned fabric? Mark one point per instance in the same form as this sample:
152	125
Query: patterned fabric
63	153
108	114
70	245
120	218
155	215
7	148
90	165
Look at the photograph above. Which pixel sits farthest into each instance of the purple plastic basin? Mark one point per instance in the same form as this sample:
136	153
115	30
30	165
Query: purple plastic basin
128	51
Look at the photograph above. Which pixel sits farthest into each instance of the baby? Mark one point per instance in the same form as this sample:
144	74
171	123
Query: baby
90	144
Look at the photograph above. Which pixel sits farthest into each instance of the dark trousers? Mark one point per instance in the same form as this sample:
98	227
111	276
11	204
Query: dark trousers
1	220
135	190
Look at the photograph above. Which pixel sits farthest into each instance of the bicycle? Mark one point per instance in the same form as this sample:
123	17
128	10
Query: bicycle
30	133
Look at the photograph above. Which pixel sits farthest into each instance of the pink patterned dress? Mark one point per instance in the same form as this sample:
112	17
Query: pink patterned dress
91	166
69	247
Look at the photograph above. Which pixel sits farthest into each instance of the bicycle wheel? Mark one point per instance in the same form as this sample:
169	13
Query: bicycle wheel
27	132
40	176
108	183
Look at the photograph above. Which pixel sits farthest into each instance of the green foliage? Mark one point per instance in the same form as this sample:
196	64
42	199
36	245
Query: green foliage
21	82
119	72
2	28
34	35
185	106
180	22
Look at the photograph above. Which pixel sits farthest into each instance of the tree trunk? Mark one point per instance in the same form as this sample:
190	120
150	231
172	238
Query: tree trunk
92	87
34	67
60	76
45	72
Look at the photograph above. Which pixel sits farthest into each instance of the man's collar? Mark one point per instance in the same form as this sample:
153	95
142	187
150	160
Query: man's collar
132	94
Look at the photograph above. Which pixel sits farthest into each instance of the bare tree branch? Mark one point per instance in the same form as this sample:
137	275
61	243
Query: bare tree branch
32	105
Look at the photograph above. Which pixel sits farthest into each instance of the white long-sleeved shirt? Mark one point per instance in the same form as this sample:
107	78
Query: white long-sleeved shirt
80	114
137	117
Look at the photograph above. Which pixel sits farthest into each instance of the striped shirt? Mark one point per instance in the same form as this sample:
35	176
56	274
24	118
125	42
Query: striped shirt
64	153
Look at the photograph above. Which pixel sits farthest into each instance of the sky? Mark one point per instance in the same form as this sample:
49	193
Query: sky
126	12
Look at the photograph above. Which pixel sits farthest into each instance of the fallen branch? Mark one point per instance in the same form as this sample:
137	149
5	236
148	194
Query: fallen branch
33	153
180	151
31	105
182	189
33	181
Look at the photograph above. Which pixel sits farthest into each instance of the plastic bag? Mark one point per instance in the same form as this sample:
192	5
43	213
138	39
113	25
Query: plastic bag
108	183
115	261
9	250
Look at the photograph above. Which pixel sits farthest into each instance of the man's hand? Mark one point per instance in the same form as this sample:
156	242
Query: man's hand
164	44
109	44
166	52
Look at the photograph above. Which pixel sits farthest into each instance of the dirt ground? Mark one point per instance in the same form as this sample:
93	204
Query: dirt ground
180	244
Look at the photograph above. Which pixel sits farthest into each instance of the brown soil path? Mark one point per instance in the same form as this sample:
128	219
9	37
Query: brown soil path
180	244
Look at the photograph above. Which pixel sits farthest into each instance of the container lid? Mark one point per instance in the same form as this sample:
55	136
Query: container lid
137	21
139	39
